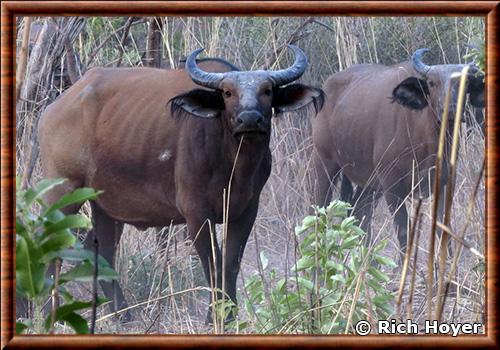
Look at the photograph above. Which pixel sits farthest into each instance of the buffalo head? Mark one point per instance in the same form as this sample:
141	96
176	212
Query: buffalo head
246	99
429	88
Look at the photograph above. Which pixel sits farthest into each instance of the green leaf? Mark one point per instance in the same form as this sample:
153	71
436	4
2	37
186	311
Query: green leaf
383	260
78	255
355	264
85	273
67	313
64	310
67	297
382	299
335	266
379	275
339	278
350	242
379	246
347	223
241	325
307	222
386	308
54	216
338	209
78	196
68	222
21	229
22	326
376	286
281	286
305	283
263	259
40	189
303	263
30	274
77	322
57	241
332	298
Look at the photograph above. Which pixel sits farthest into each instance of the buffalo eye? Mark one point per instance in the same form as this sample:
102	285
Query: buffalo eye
227	94
268	92
432	84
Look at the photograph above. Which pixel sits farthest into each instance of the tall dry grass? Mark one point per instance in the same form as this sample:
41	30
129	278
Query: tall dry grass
160	271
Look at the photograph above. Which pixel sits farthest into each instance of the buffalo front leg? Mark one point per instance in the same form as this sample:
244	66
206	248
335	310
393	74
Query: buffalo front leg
202	233
346	191
236	239
365	200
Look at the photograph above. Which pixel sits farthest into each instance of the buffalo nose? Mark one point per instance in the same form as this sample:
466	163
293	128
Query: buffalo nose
250	118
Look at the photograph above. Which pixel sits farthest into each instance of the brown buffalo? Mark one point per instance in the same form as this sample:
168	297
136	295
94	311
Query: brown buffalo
163	149
380	122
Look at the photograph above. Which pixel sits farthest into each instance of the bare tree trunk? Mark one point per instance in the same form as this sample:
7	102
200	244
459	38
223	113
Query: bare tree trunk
23	56
153	54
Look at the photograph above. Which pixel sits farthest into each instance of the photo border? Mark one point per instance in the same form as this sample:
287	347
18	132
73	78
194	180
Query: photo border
10	9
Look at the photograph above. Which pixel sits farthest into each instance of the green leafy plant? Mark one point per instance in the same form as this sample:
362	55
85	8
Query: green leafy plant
335	282
225	316
478	55
44	237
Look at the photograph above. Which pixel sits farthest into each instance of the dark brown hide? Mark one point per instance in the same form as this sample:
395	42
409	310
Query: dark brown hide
379	123
114	131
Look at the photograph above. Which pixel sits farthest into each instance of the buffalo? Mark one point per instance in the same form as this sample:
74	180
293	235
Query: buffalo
379	126
164	146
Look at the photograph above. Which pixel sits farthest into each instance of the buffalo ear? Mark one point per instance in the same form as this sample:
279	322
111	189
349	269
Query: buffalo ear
411	93
198	102
476	91
296	96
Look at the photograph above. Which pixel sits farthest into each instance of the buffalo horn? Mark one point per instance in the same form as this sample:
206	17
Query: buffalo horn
285	76
200	77
418	65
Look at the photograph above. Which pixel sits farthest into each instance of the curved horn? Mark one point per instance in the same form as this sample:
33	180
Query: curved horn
200	77
285	76
418	65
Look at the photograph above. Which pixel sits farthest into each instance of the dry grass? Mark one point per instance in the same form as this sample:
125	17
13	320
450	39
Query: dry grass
165	283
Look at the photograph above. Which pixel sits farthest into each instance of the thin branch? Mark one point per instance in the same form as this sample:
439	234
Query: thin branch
106	39
94	283
126	30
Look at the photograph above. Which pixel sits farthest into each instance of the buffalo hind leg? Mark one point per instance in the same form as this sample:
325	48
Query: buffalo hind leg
107	231
327	172
397	206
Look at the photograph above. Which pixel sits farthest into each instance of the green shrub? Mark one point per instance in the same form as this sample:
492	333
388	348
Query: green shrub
44	237
478	55
334	283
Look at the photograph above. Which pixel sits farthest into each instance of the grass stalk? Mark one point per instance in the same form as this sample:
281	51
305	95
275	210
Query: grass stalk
408	255
435	201
450	188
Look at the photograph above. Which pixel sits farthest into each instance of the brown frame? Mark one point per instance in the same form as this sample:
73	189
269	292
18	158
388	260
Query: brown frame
9	9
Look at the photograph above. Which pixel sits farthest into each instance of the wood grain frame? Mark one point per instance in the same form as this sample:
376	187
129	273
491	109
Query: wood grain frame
10	9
